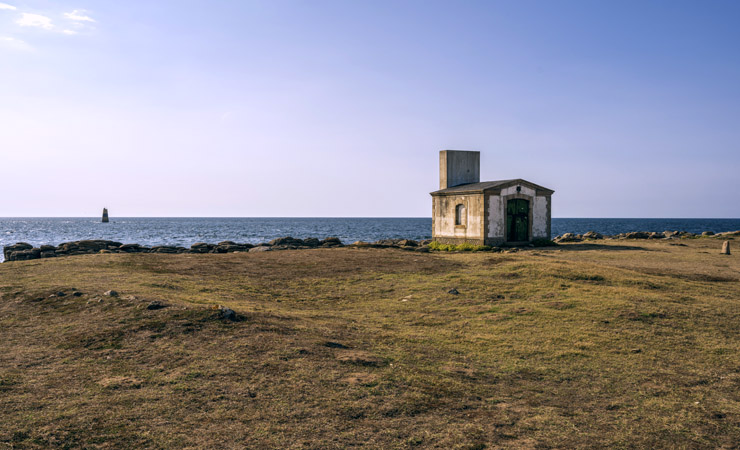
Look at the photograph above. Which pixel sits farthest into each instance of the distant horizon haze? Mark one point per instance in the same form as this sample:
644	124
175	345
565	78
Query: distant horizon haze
339	109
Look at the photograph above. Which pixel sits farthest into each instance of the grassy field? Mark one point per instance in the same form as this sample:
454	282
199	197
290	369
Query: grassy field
609	344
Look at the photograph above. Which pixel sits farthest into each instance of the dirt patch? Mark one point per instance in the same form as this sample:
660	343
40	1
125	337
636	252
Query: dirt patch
360	358
360	379
120	382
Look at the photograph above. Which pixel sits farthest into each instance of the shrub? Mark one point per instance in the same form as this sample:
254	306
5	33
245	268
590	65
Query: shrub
464	247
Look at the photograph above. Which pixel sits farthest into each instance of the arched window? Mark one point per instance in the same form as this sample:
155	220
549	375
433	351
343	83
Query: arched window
460	215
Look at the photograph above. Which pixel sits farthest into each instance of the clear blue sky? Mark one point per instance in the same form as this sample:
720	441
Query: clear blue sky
338	108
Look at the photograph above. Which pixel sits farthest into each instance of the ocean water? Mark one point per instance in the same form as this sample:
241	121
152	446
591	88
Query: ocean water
186	231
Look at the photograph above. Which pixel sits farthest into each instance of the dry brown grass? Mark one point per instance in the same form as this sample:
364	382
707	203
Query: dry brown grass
584	345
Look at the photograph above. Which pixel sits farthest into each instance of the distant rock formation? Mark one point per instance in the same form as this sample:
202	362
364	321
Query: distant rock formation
105	215
23	251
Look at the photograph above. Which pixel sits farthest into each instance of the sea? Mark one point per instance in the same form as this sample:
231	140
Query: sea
187	231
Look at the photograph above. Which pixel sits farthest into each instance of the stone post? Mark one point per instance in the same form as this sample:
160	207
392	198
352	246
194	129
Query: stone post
725	248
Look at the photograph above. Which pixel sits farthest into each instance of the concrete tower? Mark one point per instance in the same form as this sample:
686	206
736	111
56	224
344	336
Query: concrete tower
457	167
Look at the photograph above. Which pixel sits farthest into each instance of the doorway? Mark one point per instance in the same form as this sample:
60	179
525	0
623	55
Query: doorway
517	220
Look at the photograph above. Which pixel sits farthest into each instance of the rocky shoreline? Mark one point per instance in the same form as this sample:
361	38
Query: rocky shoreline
23	251
591	235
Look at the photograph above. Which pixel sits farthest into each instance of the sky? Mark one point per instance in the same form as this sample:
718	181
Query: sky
339	108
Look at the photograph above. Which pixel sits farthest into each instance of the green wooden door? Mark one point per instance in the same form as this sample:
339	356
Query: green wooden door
517	220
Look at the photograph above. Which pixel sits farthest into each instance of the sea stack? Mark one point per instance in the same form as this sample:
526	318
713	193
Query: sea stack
105	215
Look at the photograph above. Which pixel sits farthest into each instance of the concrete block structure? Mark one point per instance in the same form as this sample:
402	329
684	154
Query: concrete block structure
465	209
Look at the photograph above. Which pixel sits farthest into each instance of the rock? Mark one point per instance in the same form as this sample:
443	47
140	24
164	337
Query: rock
60	294
637	235
453	291
228	314
231	247
311	242
167	249
592	235
20	246
331	242
422	249
725	248
287	241
568	237
111	293
360	244
260	248
24	255
77	294
132	248
201	247
382	243
156	304
707	233
408	243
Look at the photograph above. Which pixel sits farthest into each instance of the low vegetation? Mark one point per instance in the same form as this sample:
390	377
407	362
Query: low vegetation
465	247
587	345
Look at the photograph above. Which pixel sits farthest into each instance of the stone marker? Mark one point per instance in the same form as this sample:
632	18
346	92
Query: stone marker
725	248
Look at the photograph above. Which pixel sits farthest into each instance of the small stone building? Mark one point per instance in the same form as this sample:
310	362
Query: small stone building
490	212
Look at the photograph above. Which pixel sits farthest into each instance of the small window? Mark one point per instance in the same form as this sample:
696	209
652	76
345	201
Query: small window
460	215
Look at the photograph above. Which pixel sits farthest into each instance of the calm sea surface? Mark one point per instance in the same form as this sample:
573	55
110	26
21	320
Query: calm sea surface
186	231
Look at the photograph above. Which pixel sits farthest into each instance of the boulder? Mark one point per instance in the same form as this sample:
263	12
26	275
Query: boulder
156	304
408	243
228	314
592	235
331	242
260	248
111	293
568	237
637	235
201	247
707	233
24	255
132	248
20	246
311	242
167	249
286	241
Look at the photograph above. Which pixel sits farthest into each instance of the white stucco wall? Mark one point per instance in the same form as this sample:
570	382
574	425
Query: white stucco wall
539	218
444	216
497	213
511	190
496	217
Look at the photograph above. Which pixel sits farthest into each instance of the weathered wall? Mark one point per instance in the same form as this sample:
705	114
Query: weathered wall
539	214
458	167
511	190
496	217
443	218
540	228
